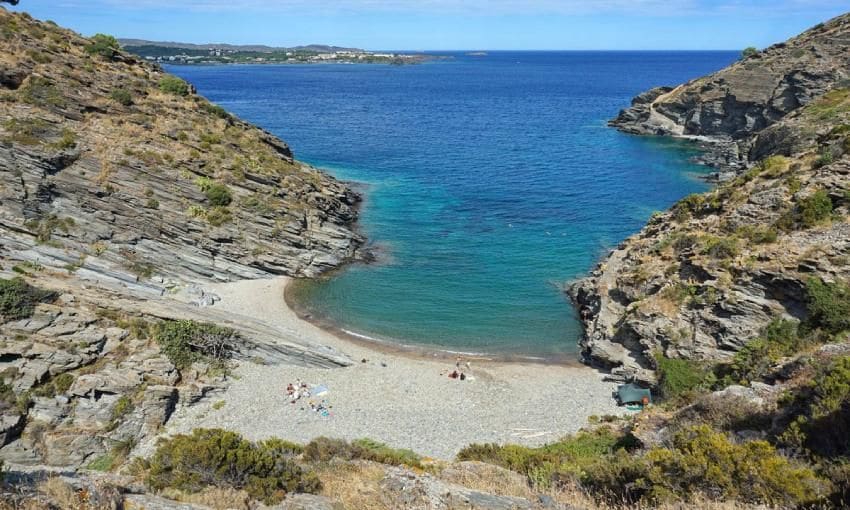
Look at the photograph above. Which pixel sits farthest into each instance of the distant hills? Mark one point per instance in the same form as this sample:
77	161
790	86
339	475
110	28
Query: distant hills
253	48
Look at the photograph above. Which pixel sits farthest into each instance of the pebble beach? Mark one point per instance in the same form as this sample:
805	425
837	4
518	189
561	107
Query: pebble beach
404	400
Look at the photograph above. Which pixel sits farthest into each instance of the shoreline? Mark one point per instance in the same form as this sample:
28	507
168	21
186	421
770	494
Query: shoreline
414	351
402	399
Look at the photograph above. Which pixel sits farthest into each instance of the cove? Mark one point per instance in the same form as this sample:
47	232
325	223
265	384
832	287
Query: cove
489	182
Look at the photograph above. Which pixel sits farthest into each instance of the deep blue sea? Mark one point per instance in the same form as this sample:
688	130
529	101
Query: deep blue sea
489	181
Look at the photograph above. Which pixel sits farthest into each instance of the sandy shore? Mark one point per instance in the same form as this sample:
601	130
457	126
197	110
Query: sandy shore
405	401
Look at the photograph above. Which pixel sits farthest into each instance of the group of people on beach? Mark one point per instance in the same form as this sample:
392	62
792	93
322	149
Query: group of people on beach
459	373
301	390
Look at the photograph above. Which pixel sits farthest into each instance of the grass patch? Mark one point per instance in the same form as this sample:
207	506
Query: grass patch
26	131
323	449
720	248
830	105
571	454
758	234
45	227
781	338
218	216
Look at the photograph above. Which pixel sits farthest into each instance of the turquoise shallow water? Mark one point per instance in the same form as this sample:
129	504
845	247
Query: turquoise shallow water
489	182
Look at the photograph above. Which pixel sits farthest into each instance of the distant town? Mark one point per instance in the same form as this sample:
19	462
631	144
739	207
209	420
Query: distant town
206	54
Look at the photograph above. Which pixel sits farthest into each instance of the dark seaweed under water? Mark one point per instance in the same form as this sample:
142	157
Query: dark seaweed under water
491	180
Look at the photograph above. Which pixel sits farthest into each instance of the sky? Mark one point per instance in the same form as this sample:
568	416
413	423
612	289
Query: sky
447	24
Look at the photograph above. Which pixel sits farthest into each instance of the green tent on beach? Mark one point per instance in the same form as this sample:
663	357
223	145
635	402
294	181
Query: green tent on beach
633	394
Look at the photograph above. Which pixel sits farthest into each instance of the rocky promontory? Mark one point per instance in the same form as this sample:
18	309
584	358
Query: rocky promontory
728	109
704	279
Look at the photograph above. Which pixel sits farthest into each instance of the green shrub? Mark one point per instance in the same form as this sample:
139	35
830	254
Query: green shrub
18	299
838	473
773	166
55	386
218	216
323	449
218	458
122	96
103	45
758	235
67	141
682	378
823	159
756	358
174	85
749	51
185	342
678	293
697	204
379	452
815	208
218	195
704	463
820	412
569	456
828	305
210	139
719	247
216	110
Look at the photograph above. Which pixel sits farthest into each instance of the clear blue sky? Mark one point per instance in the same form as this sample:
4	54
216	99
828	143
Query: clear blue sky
449	24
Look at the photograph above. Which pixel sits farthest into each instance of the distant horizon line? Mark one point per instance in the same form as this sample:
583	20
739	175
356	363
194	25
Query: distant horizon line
397	50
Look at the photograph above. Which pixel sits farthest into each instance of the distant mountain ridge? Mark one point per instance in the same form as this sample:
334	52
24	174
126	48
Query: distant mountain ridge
235	47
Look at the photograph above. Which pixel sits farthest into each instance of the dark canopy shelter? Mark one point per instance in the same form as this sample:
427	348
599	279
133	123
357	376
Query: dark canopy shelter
633	394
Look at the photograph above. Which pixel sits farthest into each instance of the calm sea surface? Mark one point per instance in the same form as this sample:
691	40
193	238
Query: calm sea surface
490	181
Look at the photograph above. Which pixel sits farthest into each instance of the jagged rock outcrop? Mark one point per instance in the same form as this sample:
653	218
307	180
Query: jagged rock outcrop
703	279
729	107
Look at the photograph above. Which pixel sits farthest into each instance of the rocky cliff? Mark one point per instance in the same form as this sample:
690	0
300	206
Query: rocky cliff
122	193
111	166
728	109
704	278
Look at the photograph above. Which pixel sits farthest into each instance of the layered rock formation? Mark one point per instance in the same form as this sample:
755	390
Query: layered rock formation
122	193
108	169
705	278
728	108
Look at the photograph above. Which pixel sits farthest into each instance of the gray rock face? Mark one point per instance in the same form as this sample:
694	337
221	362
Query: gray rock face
162	187
421	491
747	97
